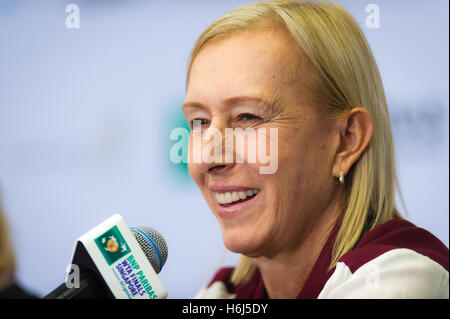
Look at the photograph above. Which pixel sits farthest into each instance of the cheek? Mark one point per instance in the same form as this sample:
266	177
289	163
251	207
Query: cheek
195	173
193	168
304	163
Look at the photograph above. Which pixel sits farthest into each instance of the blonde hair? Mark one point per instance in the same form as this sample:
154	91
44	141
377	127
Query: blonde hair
7	258
346	76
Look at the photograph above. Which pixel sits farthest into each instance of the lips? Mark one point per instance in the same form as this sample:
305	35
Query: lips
231	200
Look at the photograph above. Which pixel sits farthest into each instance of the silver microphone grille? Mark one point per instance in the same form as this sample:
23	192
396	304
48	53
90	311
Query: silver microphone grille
153	245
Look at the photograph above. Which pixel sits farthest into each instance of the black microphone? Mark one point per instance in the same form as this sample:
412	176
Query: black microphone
128	269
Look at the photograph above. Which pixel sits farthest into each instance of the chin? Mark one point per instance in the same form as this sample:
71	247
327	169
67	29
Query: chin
240	242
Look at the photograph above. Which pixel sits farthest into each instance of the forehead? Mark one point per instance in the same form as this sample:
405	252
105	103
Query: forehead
255	62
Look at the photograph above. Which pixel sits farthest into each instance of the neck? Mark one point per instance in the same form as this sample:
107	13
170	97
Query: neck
285	274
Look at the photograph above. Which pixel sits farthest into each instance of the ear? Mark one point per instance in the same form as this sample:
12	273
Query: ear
355	135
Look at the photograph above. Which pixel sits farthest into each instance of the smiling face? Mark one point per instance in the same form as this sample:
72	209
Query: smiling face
258	79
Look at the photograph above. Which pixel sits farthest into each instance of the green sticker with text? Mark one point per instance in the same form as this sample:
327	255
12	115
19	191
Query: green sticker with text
112	245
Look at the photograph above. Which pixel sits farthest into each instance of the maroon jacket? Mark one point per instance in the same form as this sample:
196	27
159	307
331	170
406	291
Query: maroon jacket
394	260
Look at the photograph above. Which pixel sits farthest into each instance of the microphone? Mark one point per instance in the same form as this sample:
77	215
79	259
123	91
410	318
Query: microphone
115	261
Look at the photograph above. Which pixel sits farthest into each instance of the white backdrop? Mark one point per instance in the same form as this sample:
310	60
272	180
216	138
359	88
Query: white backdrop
85	117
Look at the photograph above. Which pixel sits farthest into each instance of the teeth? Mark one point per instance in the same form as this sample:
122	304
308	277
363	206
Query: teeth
230	197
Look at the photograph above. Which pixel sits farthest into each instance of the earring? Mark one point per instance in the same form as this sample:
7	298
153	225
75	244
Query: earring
341	176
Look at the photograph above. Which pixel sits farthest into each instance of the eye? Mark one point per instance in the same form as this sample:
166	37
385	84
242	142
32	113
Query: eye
248	117
199	121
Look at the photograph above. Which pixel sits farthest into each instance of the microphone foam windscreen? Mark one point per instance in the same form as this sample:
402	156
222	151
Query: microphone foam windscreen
153	244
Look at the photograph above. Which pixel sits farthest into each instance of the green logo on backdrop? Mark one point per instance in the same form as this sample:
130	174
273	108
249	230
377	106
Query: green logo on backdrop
112	245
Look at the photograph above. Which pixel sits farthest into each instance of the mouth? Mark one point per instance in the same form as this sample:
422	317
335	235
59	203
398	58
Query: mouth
231	198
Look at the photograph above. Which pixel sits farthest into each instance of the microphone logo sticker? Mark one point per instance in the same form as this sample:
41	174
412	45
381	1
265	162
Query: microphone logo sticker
112	245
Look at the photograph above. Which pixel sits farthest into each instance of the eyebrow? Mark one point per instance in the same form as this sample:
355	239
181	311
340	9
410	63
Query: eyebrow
274	103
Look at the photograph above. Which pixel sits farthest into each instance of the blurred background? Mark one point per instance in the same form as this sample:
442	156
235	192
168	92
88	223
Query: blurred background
86	114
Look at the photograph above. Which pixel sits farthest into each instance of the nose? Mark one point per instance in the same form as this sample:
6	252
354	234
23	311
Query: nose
213	157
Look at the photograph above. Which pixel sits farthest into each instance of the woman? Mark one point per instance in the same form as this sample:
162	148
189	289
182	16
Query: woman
324	224
9	288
